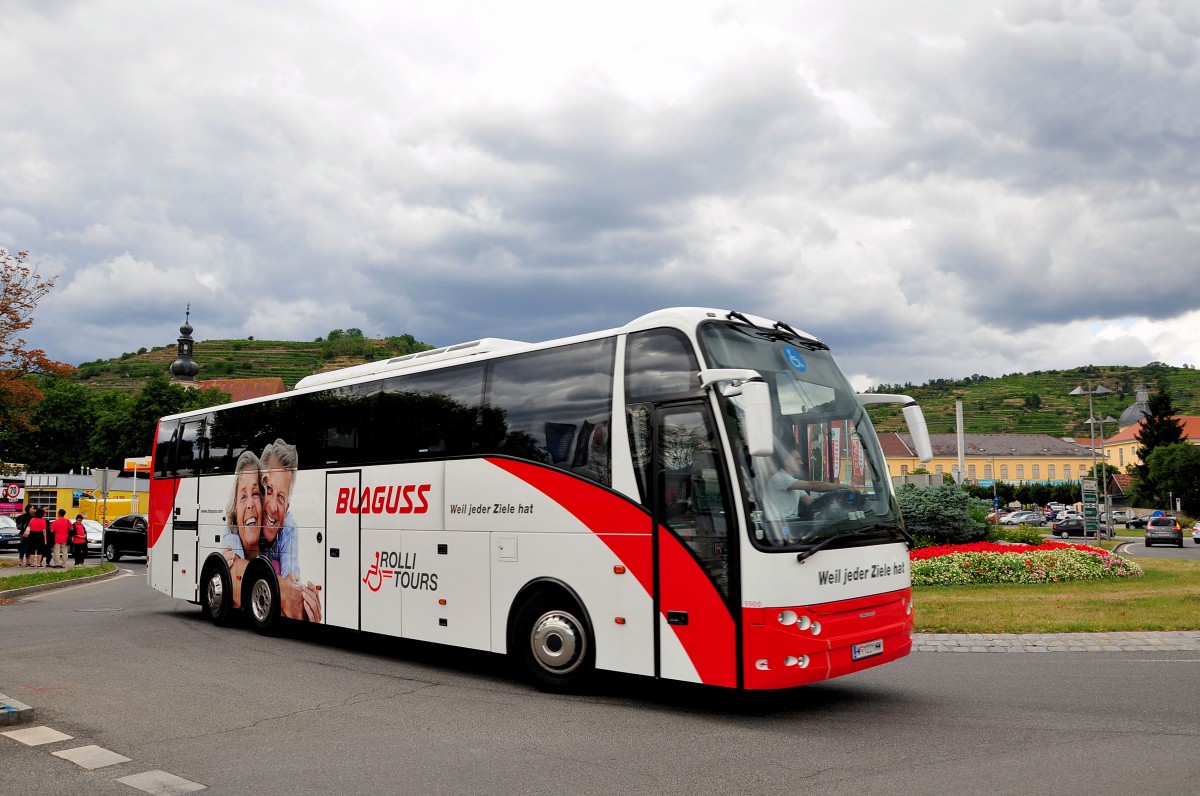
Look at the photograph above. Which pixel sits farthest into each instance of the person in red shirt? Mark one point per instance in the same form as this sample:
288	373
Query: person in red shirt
61	528
79	539
35	537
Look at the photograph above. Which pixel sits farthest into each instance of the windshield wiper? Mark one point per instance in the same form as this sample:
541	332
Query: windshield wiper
828	540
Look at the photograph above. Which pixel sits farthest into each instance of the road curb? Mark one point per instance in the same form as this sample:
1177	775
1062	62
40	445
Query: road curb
12	711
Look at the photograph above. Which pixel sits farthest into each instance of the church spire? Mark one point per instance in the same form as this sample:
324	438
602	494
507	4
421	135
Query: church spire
184	368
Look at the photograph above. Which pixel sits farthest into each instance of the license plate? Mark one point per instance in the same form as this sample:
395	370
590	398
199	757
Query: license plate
866	650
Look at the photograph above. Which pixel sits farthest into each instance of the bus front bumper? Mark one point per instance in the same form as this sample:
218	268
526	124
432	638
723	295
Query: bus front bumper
791	646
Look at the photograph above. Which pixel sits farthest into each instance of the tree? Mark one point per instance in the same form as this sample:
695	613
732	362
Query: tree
1103	471
23	287
128	428
75	427
1159	428
63	419
1175	472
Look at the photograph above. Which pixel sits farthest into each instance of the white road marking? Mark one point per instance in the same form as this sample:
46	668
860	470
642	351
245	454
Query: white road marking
36	736
161	783
91	756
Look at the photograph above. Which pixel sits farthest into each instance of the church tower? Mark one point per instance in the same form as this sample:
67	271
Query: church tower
184	368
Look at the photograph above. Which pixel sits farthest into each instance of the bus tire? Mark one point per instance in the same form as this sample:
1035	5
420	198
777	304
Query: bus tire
262	601
552	642
216	594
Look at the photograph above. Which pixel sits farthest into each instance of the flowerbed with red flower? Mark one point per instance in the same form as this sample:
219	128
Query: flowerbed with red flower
989	562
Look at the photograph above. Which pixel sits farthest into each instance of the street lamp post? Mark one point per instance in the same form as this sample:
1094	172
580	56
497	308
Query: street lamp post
1089	392
1104	483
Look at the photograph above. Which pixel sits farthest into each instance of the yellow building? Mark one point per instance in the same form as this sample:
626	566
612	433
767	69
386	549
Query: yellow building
1011	458
77	494
1121	448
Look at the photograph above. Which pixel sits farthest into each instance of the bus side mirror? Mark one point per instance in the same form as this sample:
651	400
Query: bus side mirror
913	416
756	403
915	419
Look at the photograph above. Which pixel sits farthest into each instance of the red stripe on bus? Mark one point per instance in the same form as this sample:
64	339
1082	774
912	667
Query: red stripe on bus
162	504
709	635
708	638
621	525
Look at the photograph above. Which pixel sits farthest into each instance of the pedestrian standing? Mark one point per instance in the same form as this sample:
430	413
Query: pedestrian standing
35	538
48	547
23	545
79	539
61	530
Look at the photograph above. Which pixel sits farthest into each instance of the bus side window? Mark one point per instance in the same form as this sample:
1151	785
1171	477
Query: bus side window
431	414
693	502
554	407
164	449
638	417
659	363
189	453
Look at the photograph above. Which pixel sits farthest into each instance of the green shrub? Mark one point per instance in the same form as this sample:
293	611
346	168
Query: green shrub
1026	534
945	514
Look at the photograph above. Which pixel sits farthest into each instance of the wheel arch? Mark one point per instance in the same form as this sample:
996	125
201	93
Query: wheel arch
214	559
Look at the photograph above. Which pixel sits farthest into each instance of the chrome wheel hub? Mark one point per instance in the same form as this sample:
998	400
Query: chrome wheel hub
558	642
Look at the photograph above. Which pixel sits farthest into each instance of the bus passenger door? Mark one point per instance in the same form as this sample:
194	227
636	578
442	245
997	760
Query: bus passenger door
185	540
341	545
185	516
697	632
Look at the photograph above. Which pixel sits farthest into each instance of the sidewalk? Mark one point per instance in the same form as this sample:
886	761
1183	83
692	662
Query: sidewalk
1155	641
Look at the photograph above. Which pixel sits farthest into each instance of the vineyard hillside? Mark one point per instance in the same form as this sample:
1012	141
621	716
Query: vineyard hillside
1022	403
233	359
1039	402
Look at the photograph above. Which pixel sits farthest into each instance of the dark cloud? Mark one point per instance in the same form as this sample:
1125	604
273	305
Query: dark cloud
934	191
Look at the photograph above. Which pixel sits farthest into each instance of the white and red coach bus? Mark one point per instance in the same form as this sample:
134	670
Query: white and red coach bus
611	501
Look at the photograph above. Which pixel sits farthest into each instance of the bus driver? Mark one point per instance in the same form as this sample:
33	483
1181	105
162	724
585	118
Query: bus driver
789	487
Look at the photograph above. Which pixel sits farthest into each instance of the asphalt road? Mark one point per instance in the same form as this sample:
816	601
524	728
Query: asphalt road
122	667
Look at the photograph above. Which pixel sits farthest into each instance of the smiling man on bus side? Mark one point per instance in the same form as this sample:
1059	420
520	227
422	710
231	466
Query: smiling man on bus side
280	462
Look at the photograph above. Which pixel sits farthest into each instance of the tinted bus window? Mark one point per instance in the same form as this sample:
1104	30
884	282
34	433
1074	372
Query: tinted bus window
553	407
432	414
164	449
659	362
346	436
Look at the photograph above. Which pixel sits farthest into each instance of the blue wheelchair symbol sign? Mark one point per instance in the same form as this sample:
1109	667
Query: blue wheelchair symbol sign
794	358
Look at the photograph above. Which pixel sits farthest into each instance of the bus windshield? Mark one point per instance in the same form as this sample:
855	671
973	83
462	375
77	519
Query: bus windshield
826	480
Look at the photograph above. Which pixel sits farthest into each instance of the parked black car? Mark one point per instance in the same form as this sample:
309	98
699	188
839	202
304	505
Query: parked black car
1065	528
1136	522
126	536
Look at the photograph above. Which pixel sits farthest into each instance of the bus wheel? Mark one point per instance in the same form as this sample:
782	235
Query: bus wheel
552	642
215	595
264	603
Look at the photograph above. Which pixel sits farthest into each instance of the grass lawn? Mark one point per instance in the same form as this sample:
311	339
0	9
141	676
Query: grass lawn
46	575
1167	597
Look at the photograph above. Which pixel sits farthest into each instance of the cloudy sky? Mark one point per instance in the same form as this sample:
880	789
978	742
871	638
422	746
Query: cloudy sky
935	188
